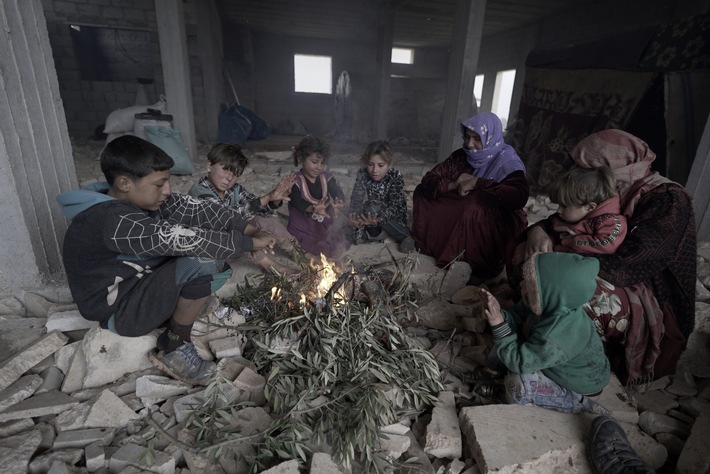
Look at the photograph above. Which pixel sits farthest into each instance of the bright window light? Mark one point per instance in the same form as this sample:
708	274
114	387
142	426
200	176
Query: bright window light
402	55
478	89
313	74
502	94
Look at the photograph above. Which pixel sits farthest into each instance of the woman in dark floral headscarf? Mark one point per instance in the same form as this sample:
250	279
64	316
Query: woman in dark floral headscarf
471	205
645	305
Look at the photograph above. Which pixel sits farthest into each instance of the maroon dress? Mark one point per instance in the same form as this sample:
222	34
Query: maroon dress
477	226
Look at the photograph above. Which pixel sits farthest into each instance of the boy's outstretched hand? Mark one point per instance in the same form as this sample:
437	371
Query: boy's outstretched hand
491	308
262	240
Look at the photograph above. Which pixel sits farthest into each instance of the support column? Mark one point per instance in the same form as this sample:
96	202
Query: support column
459	103
697	185
35	152
384	66
176	68
209	38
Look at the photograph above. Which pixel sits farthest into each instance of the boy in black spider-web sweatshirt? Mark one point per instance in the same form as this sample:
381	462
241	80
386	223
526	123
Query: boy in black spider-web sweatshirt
138	256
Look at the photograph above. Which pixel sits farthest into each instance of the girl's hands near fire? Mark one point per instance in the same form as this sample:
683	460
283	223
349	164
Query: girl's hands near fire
338	205
320	208
263	240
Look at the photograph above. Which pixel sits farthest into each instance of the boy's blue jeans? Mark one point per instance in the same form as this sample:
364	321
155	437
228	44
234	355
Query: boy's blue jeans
537	389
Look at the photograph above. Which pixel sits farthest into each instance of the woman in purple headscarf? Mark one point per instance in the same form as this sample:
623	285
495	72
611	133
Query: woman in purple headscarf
471	205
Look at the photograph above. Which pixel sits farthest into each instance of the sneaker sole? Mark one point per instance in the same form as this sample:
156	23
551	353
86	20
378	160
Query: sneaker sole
153	358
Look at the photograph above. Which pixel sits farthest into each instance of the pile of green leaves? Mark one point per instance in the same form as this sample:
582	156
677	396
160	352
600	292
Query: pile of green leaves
336	373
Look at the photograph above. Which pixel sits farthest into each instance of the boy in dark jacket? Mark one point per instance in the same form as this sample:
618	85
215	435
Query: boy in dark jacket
138	256
547	342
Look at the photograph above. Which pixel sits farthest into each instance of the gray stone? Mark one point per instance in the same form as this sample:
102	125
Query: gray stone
43	462
474	324
68	321
19	390
48	435
684	417
30	356
455	278
11	306
76	371
84	437
159	387
211	328
134	455
701	293
48	403
653	423
109	356
468	295
615	398
184	406
694	406
438	314
17	450
251	386
455	467
227	347
63	357
13	427
422	464
231	367
52	379
37	305
673	444
286	467
658	401
95	456
694	457
322	463
443	434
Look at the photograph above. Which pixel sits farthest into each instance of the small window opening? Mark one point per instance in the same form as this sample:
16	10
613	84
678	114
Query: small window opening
313	74
402	56
503	94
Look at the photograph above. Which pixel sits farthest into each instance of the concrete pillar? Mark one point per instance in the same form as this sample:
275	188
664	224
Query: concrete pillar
384	63
36	160
527	41
697	185
459	103
176	68
209	38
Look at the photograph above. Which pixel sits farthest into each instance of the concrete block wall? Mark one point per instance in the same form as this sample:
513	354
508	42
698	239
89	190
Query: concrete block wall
87	103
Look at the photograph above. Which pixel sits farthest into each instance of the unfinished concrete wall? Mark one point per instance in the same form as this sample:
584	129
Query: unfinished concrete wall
130	28
35	153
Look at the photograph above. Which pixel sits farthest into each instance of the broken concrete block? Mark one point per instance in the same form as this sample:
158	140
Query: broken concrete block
109	356
322	463
69	321
37	305
159	387
134	455
52	379
212	328
231	367
13	427
474	324
286	467
95	456
394	445
615	399
48	435
443	434
226	347
251	386
455	278
19	390
673	444
455	467
653	423
468	295
82	438
694	456
438	314
658	401
184	406
423	465
31	355
104	411
11	306
19	333
44	462
48	403
17	450
63	357
76	371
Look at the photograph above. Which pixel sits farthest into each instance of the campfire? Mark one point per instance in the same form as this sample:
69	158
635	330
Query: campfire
338	364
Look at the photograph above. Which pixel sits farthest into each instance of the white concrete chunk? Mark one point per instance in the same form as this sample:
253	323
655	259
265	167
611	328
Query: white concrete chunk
395	428
184	406
659	401
83	438
43	462
11	306
76	371
159	387
19	363
15	426
443	434
322	463
653	423
19	333
66	321
37	305
48	403
252	386
226	347
133	455
286	467
63	357
455	467
394	445
109	356
423	465
19	390
104	411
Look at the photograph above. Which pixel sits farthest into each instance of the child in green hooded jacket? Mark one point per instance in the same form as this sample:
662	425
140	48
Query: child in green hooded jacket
547	342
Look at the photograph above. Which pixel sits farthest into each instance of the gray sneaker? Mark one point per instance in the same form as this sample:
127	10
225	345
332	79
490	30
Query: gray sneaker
184	364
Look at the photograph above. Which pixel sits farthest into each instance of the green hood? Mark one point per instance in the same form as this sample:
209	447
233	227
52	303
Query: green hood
559	282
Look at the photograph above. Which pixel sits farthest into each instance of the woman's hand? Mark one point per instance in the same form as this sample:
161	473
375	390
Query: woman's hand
491	308
465	183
